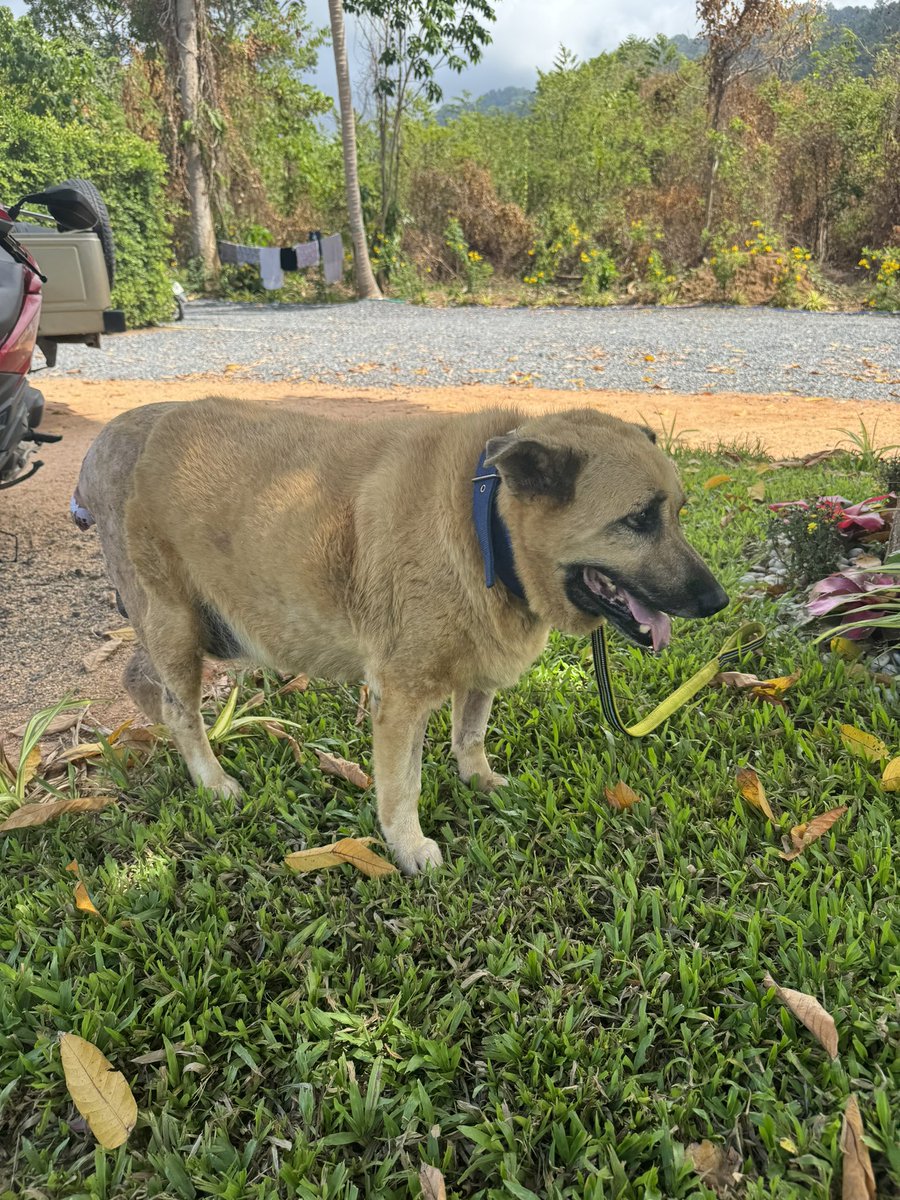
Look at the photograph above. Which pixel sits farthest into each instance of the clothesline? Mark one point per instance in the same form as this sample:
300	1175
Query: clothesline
273	261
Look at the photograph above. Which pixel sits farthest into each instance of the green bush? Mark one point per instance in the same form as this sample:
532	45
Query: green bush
37	150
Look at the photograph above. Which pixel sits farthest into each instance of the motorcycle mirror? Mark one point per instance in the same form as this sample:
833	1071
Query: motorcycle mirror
67	207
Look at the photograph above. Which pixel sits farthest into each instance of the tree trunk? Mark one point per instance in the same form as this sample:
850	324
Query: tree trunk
203	233
366	287
893	546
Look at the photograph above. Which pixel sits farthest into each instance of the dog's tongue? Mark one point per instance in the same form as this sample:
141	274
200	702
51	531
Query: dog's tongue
659	622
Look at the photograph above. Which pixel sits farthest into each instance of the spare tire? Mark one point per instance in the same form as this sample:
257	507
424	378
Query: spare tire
103	229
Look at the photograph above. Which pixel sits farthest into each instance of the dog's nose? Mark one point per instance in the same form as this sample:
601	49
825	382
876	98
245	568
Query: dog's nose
711	600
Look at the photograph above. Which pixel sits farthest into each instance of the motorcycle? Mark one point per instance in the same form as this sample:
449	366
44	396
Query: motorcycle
21	405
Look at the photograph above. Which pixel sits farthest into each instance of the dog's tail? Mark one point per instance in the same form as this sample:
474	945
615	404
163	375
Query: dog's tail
82	516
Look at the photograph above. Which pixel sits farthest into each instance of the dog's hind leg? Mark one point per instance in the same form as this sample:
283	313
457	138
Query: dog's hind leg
172	640
144	685
471	711
398	731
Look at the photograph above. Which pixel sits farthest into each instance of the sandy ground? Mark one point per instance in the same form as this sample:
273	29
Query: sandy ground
55	601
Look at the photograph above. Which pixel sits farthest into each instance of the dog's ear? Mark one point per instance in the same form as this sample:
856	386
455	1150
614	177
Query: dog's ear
531	468
645	429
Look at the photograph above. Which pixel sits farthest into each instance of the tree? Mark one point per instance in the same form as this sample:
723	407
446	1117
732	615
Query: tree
409	41
743	36
366	286
203	233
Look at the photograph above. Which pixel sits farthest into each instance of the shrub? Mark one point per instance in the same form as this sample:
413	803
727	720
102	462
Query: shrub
469	263
37	150
884	268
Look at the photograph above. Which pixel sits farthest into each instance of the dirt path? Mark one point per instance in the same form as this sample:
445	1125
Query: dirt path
55	600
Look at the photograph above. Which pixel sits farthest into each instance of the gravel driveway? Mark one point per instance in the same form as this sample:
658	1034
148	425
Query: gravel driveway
379	343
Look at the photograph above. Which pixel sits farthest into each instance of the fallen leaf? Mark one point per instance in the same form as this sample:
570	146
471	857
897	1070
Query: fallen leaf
620	796
718	1168
362	707
279	731
810	1013
757	492
59	724
124	634
890	778
785	1143
355	851
82	751
30	815
314	859
774	687
736	679
73	866
432	1183
867	562
84	901
716	481
101	1095
864	745
807	833
98	657
333	764
846	648
298	684
29	766
752	791
858	1177
812	460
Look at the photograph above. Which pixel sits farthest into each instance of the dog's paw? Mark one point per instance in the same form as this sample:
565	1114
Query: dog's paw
412	860
489	782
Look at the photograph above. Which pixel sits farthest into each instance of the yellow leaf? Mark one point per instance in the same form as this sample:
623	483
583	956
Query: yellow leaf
774	687
718	1168
788	1144
431	1181
124	634
73	866
716	481
890	778
29	766
864	745
807	833
81	751
353	851
846	648
298	684
859	1179
752	791
333	764
30	815
649	358
84	901
620	796
98	657
315	859
101	1095
810	1013
757	492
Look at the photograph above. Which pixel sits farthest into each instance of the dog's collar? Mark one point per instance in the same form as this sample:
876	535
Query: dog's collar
493	536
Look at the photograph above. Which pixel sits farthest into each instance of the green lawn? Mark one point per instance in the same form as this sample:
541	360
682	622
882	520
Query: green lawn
572	1000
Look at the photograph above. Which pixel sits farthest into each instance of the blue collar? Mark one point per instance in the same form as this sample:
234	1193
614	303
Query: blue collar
493	536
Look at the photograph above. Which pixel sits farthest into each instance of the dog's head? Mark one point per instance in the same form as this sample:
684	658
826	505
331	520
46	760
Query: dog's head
592	506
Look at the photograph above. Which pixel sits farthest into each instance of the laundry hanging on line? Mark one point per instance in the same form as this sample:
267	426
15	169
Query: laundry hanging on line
273	261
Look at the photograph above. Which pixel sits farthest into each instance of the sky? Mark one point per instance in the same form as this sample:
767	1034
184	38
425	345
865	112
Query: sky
527	35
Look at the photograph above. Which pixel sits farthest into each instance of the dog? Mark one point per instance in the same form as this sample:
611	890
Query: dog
355	550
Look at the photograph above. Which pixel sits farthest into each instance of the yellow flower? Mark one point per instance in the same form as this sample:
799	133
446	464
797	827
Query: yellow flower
540	274
768	249
595	254
753	250
531	251
812	526
670	279
747	242
734	249
713	261
585	257
755	224
779	261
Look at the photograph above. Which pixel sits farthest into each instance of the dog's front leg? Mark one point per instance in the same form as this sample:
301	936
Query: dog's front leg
471	711
398	731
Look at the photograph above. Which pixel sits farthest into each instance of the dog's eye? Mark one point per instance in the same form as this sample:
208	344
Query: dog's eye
644	521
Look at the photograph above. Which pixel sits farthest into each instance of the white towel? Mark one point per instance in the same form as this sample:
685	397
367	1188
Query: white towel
270	267
333	258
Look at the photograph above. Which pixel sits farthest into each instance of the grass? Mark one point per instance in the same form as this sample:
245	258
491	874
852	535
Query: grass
558	1013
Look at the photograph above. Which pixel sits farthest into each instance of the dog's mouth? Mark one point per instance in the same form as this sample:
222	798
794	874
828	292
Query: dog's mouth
594	592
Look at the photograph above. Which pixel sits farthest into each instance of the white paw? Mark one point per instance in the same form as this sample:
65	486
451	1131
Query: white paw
484	779
222	786
413	859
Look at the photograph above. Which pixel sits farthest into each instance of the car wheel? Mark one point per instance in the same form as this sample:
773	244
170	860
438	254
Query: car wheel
103	229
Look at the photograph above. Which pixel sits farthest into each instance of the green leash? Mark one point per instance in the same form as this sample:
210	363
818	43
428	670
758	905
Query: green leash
745	640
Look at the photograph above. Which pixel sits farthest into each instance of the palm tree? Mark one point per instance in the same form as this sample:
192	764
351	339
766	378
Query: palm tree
366	287
186	39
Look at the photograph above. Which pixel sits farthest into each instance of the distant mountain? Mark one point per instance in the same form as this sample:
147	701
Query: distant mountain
514	100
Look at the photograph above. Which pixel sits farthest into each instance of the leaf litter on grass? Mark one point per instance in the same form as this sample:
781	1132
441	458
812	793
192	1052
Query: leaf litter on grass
100	1094
806	833
348	850
810	1013
858	1182
753	792
862	744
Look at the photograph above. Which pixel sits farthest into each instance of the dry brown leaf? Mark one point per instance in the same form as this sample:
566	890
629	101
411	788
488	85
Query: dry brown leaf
718	1168
30	815
355	851
124	634
752	791
101	1095
736	679
73	866
431	1181
84	901
812	460
772	688
863	745
314	859
858	1177
716	481
810	1013
298	684
867	562
59	724
140	737
757	492
82	751
808	832
7	770
279	731
96	658
362	707
620	796
30	765
333	764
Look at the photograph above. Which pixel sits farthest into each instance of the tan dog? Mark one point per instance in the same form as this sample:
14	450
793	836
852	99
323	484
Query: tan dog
348	550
